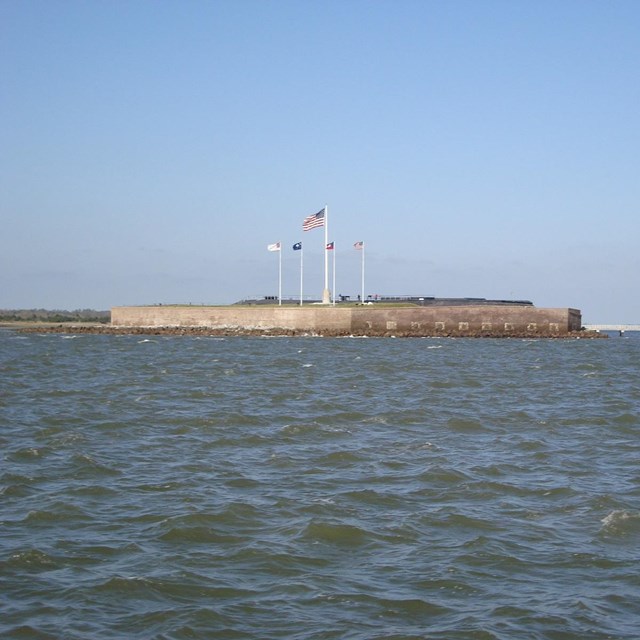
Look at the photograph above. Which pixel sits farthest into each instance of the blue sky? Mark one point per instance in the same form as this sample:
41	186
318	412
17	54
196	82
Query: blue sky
152	150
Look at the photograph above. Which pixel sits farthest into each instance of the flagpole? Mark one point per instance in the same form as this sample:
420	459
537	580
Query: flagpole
325	294
301	271
333	293
362	273
280	274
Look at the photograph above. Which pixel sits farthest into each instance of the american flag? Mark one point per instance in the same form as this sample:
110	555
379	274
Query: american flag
273	247
329	246
311	222
358	245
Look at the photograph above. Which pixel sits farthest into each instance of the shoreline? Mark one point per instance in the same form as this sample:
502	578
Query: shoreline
101	329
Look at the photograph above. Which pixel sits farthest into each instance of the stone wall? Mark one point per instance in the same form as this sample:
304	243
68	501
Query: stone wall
306	318
468	320
360	320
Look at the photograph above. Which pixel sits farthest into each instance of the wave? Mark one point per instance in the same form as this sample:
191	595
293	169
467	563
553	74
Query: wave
30	560
336	533
181	587
621	523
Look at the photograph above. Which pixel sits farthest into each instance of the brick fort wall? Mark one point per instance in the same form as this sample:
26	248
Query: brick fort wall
360	320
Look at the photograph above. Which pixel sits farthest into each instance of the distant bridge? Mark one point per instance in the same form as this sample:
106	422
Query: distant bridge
612	327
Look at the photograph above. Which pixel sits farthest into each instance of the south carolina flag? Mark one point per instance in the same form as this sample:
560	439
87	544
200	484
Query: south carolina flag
297	246
273	247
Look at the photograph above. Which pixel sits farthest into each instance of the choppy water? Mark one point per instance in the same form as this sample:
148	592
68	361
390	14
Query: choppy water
318	488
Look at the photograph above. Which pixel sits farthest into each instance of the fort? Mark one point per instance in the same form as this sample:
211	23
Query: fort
472	318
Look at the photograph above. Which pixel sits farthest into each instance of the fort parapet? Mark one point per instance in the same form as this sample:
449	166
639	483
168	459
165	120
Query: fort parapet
369	320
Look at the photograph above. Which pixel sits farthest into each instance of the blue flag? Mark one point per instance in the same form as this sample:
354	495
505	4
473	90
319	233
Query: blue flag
297	246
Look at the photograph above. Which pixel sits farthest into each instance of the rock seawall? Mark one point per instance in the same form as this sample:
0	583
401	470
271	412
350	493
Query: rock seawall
209	332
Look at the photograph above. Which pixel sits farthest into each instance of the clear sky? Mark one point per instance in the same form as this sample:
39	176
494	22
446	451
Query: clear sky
151	150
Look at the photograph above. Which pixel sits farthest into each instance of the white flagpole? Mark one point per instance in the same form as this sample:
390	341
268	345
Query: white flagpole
301	271
280	274
363	272
333	294
325	294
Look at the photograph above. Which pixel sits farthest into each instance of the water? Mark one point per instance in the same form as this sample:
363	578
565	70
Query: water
175	487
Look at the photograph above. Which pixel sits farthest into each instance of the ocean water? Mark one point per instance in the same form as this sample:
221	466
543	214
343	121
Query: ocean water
312	488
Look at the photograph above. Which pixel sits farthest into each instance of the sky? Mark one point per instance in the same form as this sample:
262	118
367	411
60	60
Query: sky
151	150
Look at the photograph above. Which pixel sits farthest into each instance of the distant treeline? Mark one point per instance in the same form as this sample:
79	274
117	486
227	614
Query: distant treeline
56	315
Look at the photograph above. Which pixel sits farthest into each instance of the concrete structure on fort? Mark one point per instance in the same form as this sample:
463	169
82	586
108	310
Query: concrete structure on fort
488	320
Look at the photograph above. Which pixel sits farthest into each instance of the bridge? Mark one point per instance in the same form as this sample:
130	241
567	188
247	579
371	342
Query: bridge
612	327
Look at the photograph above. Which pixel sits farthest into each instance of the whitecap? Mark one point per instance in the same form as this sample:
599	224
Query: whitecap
621	522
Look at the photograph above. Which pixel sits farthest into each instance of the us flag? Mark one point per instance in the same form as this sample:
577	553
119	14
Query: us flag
358	245
311	222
